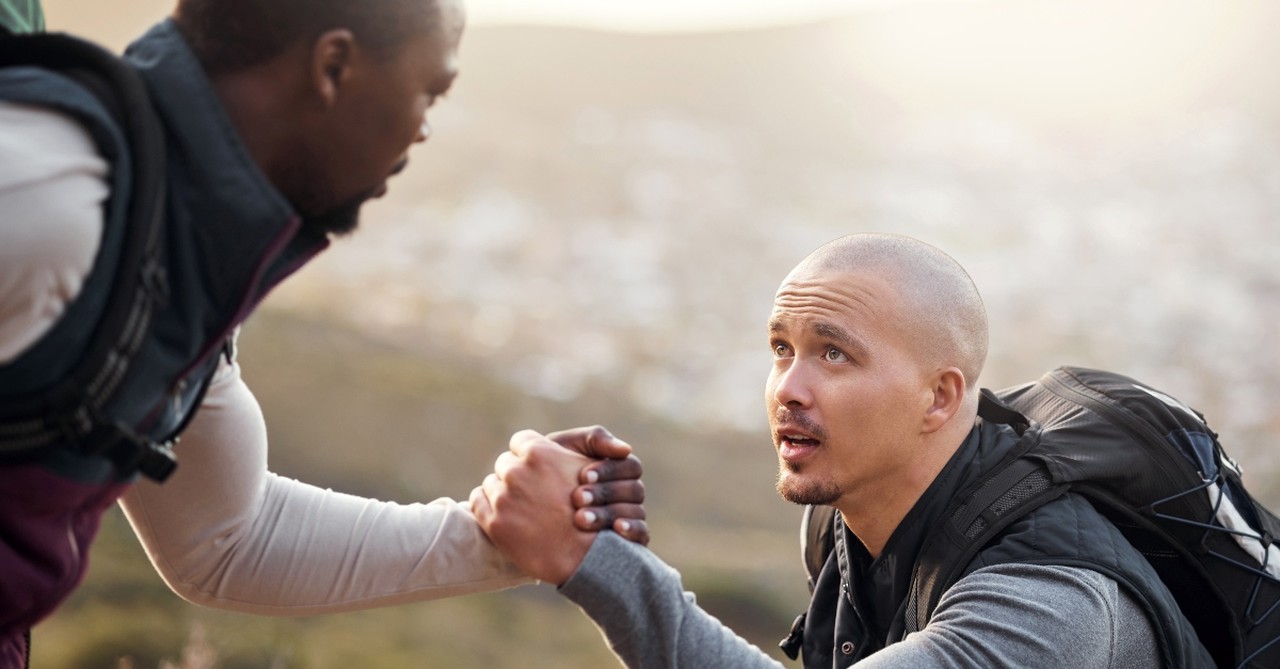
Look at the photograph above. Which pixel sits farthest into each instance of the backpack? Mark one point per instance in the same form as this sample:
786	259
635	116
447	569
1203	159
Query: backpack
1150	465
70	411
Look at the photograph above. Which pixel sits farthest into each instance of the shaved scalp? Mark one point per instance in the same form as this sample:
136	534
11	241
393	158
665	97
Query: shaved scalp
944	316
232	35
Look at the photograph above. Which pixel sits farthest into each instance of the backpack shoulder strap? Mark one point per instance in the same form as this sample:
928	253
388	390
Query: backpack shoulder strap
71	410
1021	487
1015	489
817	526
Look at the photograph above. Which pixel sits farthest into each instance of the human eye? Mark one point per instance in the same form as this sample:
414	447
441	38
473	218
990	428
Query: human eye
833	354
780	349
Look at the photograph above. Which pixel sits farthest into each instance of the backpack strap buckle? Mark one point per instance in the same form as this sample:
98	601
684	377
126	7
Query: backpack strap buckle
795	638
990	408
114	440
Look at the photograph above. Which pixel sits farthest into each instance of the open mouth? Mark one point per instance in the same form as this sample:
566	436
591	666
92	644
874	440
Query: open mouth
395	169
795	446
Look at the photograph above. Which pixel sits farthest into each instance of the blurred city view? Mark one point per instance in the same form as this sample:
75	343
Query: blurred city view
594	232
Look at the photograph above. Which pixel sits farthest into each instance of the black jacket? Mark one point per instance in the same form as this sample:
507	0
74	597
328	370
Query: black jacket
228	237
859	605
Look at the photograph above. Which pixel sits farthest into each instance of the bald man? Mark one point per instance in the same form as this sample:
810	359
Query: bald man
877	344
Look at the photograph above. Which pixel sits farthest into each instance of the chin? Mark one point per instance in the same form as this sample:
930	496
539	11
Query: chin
797	490
340	220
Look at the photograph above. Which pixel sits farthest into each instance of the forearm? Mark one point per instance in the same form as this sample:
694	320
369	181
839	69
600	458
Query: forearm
224	532
315	551
639	603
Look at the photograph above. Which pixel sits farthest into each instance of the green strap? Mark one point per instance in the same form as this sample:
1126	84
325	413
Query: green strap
22	16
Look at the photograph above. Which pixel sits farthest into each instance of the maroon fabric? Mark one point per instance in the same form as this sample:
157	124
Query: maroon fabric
46	525
13	651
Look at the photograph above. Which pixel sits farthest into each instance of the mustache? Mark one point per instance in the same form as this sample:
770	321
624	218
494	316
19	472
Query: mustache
399	166
784	416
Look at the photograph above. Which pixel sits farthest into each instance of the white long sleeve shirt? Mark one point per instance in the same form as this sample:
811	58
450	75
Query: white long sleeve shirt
223	531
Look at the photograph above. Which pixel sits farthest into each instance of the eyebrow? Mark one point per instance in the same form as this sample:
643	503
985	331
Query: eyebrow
442	85
444	82
841	336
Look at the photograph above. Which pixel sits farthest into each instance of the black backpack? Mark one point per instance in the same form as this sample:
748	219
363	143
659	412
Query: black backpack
70	411
1149	464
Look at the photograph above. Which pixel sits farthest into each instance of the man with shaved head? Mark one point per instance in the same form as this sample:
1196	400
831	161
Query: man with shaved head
877	343
910	325
274	122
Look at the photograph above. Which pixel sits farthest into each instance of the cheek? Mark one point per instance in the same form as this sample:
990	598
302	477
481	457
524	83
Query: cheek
777	374
392	136
411	113
391	122
406	122
861	412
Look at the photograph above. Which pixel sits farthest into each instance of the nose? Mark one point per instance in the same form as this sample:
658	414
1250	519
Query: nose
790	386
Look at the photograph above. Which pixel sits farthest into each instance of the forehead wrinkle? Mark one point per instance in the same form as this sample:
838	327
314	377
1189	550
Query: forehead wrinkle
817	306
832	297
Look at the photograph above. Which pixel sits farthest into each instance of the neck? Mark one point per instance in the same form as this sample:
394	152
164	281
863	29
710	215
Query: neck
259	101
873	517
873	513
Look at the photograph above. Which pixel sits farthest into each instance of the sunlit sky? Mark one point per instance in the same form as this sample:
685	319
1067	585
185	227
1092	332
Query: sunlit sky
1048	58
676	15
101	16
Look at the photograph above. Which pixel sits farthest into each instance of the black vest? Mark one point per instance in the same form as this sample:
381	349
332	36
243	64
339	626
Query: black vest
229	237
859	604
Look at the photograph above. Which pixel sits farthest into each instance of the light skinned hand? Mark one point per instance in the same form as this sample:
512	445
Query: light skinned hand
525	507
611	494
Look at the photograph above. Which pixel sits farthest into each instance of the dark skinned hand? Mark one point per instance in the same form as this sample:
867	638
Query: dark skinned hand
610	494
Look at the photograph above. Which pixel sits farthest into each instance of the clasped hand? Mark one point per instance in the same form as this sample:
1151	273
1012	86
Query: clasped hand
549	496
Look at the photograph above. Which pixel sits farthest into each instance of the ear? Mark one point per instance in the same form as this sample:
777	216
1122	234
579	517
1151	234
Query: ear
949	389
333	57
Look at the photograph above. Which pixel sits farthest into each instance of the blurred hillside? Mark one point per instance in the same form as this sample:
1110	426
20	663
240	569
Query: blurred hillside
616	210
594	232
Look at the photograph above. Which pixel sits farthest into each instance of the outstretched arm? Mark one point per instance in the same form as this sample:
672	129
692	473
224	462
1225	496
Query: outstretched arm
635	599
225	532
639	603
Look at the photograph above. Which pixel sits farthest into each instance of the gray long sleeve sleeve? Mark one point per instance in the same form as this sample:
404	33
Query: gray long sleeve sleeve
638	601
1012	615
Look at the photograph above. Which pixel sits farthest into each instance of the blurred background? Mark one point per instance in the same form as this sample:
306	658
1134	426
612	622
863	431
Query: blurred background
594	232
